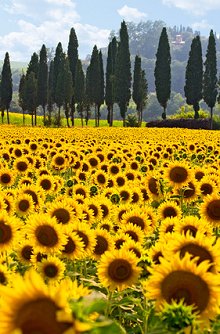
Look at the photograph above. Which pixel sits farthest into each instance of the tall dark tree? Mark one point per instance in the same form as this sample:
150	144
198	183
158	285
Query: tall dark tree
110	79
33	65
87	98
6	86
59	88
42	82
162	71
58	65
31	95
94	81
139	94
210	75
68	89
21	95
194	76
123	72
101	91
73	56
51	92
80	89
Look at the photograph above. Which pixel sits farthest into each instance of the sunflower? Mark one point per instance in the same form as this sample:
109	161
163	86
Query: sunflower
51	269
202	248
9	227
24	251
100	178
6	275
45	233
87	215
35	192
207	186
31	307
133	231
137	218
106	206
80	189
135	247
167	225
7	178
24	205
21	165
74	289
183	279
46	183
169	209
118	269
104	242
62	211
210	209
119	239
74	247
59	162
152	186
8	199
192	225
125	194
92	204
87	236
157	251
178	174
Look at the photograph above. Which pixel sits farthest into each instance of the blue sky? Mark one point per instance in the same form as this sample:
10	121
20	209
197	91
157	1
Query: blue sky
27	24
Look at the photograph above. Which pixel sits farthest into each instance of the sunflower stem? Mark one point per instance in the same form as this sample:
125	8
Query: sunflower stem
109	301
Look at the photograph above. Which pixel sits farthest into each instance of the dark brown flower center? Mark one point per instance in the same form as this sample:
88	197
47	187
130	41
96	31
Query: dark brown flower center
62	215
23	205
152	185
169	211
178	174
46	235
22	166
213	209
120	270
138	221
50	270
5	178
5	233
26	252
197	251
101	245
70	246
46	184
206	189
185	285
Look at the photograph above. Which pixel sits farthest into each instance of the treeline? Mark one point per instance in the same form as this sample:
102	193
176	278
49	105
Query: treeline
61	83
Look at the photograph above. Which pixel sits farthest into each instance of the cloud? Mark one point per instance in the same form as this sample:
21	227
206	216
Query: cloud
203	24
51	27
131	14
197	7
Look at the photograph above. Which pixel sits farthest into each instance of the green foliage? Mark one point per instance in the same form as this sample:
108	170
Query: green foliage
187	111
6	85
33	65
42	82
162	71
132	121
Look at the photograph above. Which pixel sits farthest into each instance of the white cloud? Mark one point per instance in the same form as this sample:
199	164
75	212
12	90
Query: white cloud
131	14
53	26
203	24
197	7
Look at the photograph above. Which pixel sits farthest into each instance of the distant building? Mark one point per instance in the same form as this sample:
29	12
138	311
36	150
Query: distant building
178	40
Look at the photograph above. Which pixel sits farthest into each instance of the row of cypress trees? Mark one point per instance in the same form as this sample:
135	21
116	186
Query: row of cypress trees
200	78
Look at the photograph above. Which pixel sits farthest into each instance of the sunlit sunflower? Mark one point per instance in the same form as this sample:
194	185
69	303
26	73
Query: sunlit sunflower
136	197
24	205
80	189
167	225
24	251
210	209
74	248
6	275
21	165
87	236
169	209
152	186
8	199
59	162
62	211
9	228
202	248
207	186
137	218
45	233
199	173
192	225
51	269
35	192
157	251
87	215
7	178
133	231
106	225
183	279
119	239
125	193
118	269
31	307
93	205
178	174
25	180
133	246
106	206
46	182
104	242
100	178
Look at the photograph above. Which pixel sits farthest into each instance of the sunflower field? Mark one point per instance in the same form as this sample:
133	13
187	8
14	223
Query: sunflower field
109	231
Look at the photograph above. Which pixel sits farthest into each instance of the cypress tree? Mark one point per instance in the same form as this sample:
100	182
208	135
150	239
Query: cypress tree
162	71
50	91
210	75
21	95
58	59
110	79
33	65
59	88
94	81
72	53
87	98
6	86
42	82
139	94
68	89
194	76
80	89
123	72
101	87
31	95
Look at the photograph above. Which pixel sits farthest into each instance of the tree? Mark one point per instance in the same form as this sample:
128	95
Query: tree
162	71
194	76
31	95
94	81
72	53
59	88
50	91
139	94
6	86
88	101
68	89
101	86
210	75
42	82
33	65
123	72
110	79
58	59
80	89
21	95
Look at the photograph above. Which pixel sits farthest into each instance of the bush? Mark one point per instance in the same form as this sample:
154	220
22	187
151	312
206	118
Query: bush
190	123
131	121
